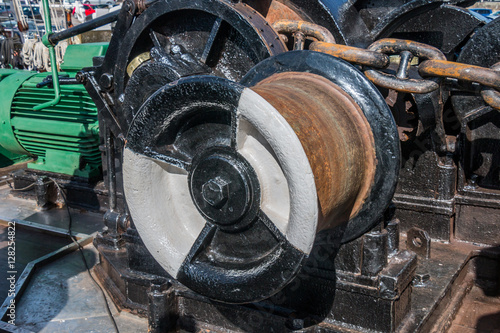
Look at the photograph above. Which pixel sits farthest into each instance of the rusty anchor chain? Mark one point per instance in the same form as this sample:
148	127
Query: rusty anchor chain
300	31
352	54
491	94
406	50
434	66
430	62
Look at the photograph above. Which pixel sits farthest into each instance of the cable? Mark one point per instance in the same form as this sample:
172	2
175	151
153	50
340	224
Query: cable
80	249
21	189
34	19
108	310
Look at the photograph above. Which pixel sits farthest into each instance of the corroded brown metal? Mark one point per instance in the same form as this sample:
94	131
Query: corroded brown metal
397	47
352	54
389	81
307	28
279	11
441	68
335	135
492	95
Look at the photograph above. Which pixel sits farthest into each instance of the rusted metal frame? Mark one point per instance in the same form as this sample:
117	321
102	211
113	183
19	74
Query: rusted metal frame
32	266
300	30
405	49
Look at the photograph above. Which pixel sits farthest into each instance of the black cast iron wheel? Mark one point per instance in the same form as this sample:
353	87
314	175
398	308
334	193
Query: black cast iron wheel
197	202
174	39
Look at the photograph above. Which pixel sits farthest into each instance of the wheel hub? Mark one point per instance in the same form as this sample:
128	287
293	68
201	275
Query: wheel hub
224	188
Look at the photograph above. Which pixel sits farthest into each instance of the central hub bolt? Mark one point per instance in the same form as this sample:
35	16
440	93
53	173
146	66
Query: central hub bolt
224	188
215	192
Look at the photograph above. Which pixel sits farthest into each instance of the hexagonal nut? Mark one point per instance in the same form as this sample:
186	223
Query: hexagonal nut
215	192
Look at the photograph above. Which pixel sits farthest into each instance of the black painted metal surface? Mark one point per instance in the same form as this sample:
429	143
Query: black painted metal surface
368	284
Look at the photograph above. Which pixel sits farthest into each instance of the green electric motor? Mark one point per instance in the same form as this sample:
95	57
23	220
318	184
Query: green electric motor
63	138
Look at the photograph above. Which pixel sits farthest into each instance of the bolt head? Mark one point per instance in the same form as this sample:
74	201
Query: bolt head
421	279
216	192
106	80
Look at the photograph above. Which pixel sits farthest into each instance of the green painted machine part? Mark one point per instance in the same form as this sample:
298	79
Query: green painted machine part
64	137
52	53
7	158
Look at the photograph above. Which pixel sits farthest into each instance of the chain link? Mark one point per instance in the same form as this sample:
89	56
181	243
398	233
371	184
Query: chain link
384	55
491	95
300	30
406	50
352	54
381	54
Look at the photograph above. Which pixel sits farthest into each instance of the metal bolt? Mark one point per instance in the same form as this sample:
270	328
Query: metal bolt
80	77
418	241
106	80
215	192
473	180
421	279
121	98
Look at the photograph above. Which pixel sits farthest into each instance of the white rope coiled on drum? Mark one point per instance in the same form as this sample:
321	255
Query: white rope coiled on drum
40	58
28	53
39	61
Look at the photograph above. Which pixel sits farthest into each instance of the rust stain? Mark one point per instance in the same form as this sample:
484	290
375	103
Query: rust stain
307	28
352	54
335	135
279	11
466	72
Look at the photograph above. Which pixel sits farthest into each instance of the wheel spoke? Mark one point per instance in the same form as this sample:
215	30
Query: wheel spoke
271	226
166	159
155	38
234	130
214	43
204	238
182	62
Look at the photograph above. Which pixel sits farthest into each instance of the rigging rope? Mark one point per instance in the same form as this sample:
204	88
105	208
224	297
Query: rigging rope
19	14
